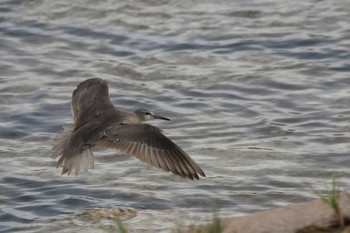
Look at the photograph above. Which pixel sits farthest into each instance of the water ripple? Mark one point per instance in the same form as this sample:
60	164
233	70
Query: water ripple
257	94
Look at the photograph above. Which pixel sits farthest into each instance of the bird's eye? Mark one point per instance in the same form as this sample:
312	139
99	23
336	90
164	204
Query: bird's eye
147	113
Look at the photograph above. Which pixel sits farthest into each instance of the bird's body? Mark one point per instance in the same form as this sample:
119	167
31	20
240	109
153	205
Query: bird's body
98	123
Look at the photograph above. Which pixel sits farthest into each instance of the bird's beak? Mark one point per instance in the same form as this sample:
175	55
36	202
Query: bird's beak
160	117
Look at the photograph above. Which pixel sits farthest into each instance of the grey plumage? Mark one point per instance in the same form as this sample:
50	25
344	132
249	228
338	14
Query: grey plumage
98	123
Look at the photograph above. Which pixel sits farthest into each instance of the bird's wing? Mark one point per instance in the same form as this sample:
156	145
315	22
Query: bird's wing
147	143
90	100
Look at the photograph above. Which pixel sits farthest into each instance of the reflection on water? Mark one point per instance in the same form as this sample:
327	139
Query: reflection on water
257	94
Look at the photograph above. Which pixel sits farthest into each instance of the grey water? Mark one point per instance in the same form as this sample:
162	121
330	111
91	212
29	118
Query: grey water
258	93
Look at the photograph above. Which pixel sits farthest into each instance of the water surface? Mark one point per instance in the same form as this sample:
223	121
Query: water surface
258	94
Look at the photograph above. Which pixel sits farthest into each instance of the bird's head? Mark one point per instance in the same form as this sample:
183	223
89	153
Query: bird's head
147	115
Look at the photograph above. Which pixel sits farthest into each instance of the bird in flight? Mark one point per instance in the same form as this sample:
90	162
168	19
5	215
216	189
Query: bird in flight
96	122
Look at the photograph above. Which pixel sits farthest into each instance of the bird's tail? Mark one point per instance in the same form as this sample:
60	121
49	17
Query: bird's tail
77	158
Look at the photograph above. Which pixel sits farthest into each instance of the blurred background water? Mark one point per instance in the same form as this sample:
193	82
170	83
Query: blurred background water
257	91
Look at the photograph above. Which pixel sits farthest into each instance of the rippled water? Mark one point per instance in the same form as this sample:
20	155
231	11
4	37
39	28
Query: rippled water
257	91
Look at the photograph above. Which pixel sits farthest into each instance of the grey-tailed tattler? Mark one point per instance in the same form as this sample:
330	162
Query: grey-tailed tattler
96	122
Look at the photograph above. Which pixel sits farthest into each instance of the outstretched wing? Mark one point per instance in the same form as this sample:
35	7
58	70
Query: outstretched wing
150	145
90	100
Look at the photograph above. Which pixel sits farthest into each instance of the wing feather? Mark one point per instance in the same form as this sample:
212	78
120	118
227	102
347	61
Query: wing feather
150	145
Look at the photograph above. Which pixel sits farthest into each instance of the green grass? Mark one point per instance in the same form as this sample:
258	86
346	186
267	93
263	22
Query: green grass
120	226
331	199
216	225
213	227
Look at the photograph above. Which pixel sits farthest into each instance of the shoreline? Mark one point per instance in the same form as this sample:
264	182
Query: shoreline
313	216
